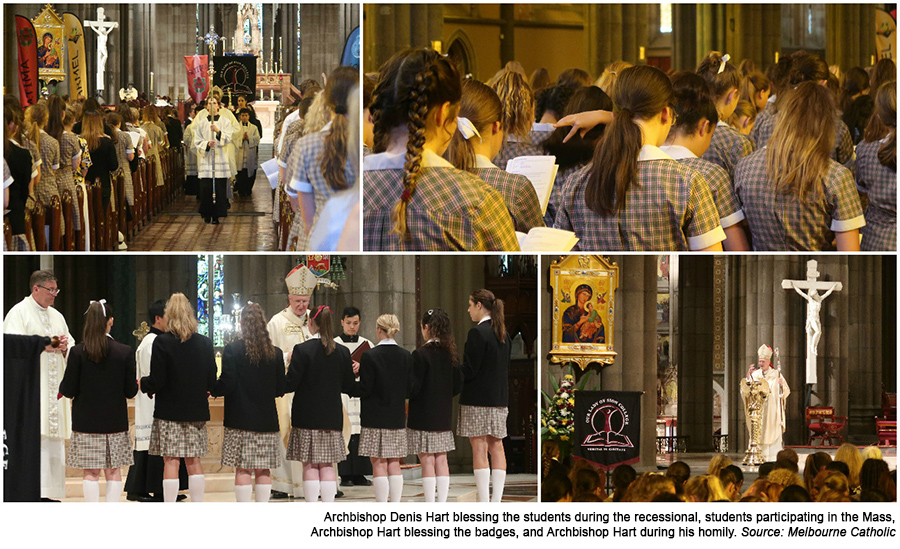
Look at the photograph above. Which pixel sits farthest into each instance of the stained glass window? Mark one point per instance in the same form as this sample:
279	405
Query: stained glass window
298	38
665	18
203	294
211	318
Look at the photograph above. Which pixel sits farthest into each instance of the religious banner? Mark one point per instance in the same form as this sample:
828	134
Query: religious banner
584	297
197	67
885	34
28	61
235	74
77	58
608	427
351	50
319	264
49	29
22	416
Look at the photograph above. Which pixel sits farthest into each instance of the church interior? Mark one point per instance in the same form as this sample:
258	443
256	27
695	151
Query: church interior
218	284
687	328
145	50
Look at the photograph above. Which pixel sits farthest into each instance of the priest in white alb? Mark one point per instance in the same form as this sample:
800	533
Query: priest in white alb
288	328
35	315
772	423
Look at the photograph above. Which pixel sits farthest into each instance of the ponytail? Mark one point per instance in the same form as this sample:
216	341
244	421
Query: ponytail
322	319
334	156
886	111
96	342
35	117
481	107
490	302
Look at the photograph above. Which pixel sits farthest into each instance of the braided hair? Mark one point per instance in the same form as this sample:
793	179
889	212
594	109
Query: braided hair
411	83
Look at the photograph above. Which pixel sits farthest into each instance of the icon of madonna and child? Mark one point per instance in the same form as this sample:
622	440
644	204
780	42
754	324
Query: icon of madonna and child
582	322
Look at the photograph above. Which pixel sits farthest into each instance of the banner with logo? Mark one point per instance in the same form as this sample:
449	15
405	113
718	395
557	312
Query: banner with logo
29	87
236	73
608	427
885	34
350	58
197	67
74	33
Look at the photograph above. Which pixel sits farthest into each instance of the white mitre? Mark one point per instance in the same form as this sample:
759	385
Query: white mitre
301	281
764	352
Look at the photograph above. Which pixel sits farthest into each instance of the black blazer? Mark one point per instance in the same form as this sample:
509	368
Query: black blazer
437	381
249	389
100	391
485	368
317	381
386	380
181	375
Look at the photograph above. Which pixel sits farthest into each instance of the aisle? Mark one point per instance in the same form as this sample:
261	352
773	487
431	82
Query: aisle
248	226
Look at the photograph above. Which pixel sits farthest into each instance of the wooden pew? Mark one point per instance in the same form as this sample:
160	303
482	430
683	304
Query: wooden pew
7	234
29	234
68	212
98	219
54	216
83	217
38	219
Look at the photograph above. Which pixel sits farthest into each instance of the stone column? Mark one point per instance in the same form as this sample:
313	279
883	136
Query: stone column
849	34
684	37
507	33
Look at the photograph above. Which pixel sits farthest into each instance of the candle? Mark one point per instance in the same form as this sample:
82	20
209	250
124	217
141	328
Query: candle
232	44
281	52
151	82
261	97
271	95
271	47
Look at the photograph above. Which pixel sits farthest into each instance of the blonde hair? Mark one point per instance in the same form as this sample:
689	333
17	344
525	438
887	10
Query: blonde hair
704	488
389	323
518	102
607	80
785	477
717	463
317	116
180	319
870	452
849	454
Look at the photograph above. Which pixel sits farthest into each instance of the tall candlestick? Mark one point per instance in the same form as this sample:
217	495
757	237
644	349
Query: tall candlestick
271	47
281	52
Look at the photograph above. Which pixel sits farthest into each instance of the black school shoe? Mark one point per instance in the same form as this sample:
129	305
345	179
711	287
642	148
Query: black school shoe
278	494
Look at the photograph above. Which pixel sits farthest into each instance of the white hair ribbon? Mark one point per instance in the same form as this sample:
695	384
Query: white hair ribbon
725	59
466	128
102	303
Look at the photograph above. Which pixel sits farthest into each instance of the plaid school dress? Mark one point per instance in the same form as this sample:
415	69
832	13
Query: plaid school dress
123	148
48	186
305	176
727	205
518	193
668	208
516	146
765	125
880	183
783	222
450	210
727	147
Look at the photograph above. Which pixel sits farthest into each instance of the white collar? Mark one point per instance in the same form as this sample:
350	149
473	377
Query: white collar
433	340
677	151
485	319
36	304
316	336
387	341
391	161
482	161
649	152
771	99
327	127
545	127
721	123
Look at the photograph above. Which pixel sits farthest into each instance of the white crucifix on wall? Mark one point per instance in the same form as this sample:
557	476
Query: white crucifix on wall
809	290
102	27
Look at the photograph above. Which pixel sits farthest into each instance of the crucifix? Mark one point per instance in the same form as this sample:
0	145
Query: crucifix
211	39
102	28
813	308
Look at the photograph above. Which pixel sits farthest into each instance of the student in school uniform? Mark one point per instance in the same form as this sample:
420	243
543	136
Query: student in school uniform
320	371
633	196
518	116
252	378
413	198
437	380
876	173
794	196
478	139
728	145
689	138
484	401
385	381
99	379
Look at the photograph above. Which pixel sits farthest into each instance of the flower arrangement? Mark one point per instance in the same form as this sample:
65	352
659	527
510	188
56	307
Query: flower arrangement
556	420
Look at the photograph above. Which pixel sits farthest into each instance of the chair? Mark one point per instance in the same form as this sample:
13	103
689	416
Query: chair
886	423
824	425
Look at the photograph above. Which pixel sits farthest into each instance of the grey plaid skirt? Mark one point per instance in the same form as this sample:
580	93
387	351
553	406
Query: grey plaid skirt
382	443
316	446
429	442
250	450
99	450
477	421
178	438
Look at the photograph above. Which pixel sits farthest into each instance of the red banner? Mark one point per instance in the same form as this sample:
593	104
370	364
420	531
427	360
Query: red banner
197	67
29	87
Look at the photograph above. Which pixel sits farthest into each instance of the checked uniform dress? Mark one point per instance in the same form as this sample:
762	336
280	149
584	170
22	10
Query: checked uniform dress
518	192
516	146
730	212
783	222
765	125
727	147
47	186
880	183
668	208
450	210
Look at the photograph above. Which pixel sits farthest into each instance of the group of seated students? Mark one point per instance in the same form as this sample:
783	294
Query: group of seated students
852	475
723	157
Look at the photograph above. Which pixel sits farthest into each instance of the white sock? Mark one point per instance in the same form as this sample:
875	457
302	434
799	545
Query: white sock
91	489
498	479
381	489
443	488
242	492
396	487
263	492
428	488
196	485
328	489
170	489
482	484
311	490
113	491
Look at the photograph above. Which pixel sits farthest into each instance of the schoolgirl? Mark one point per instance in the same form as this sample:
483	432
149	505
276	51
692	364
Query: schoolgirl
36	117
414	199
99	379
876	173
24	170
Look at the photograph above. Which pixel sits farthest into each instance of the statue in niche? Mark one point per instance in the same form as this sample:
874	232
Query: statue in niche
247	37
